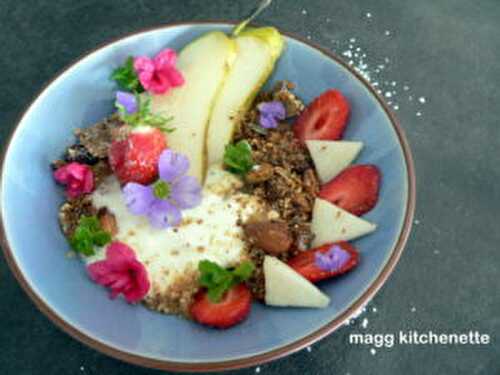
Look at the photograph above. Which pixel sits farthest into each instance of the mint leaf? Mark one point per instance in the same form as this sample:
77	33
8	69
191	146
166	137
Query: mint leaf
126	77
244	271
219	280
238	157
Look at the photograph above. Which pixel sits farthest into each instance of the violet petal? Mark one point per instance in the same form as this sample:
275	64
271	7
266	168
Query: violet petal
164	214
127	100
186	192
333	260
172	165
267	121
138	198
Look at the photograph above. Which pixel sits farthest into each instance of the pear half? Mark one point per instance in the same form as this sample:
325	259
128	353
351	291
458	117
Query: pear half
332	224
285	287
257	53
331	157
205	64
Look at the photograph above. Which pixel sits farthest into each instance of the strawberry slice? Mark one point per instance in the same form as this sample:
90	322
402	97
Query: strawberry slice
324	119
231	310
135	159
305	262
356	189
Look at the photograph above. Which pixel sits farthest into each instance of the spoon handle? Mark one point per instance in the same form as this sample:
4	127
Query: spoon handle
258	10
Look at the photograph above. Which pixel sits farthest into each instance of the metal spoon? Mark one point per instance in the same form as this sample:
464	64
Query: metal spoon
258	10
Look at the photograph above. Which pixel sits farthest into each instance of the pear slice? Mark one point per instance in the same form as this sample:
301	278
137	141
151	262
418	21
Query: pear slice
285	287
257	53
331	224
205	63
331	157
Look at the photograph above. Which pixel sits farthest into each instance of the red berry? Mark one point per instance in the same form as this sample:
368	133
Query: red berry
356	189
135	159
231	310
324	119
305	262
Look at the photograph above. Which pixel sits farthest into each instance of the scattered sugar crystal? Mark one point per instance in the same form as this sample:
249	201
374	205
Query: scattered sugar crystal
368	15
82	368
347	54
358	49
373	351
257	370
309	37
389	102
386	60
396	107
419	114
436	252
375	84
388	94
417	221
374	309
422	100
387	32
381	66
364	323
304	12
309	349
393	83
351	62
379	91
406	87
413	309
352	40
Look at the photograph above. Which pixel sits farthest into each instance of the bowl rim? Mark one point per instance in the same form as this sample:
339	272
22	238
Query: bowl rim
261	358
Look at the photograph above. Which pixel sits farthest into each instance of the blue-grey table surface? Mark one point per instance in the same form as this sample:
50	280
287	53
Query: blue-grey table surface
446	51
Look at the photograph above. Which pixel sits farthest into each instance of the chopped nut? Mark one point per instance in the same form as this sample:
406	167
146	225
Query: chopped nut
272	237
259	173
108	221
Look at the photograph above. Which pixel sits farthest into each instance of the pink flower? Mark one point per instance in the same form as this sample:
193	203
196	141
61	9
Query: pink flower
121	272
159	75
78	179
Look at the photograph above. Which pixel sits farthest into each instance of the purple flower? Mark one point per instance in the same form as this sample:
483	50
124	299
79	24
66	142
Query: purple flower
127	101
270	113
163	200
332	260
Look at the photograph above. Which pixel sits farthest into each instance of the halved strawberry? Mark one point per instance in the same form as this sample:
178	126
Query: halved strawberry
324	119
305	262
135	159
356	189
231	310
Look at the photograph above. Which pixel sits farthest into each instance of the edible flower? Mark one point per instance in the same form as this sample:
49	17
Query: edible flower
89	233
121	272
126	100
126	77
219	280
135	110
332	260
238	157
163	200
270	113
78	179
159	75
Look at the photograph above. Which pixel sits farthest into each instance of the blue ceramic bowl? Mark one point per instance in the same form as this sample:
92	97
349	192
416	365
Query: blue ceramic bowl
35	247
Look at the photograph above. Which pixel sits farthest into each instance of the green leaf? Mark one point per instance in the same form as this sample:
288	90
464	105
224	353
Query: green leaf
126	77
101	238
244	271
219	280
238	157
88	234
